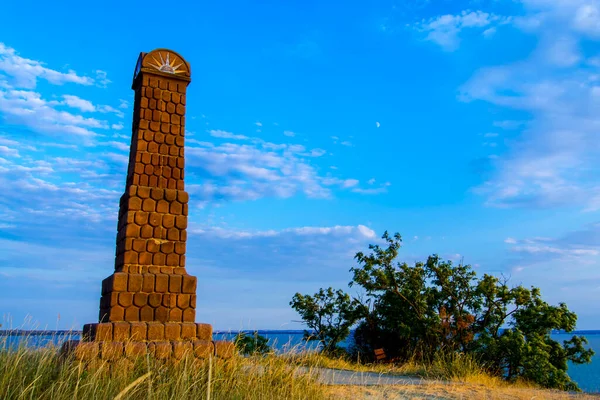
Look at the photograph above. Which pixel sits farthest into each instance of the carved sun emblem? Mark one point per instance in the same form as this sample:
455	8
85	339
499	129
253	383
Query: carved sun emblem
166	65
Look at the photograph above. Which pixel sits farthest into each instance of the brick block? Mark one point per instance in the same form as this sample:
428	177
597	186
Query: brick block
140	299
172	331
139	245
175	314
135	282
143	191
180	248
111	350
87	350
119	282
189	284
125	299
162	282
224	349
148	283
173	259
139	331
146	231
147	313
182	349
189	315
104	332
203	331
167	247
203	348
155	299
183	301
156	331
181	222
161	314
145	258
193	301
116	313
152	245
159	259
132	313
121	331
162	207
179	271
141	217
161	350
188	331
135	349
173	234
170	194
175	283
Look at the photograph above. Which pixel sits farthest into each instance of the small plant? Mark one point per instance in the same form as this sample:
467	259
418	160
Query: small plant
252	344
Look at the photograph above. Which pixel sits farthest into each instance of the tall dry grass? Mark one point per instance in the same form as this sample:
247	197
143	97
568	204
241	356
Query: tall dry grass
27	373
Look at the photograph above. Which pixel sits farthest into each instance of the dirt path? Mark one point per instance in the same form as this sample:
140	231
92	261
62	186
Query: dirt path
344	377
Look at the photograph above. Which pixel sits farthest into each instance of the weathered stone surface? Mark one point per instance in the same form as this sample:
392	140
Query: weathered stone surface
203	348
204	331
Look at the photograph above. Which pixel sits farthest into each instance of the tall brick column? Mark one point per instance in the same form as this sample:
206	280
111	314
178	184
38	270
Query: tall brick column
150	299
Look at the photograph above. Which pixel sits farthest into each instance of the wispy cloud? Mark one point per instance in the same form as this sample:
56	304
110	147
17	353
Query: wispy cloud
227	135
552	163
24	72
445	30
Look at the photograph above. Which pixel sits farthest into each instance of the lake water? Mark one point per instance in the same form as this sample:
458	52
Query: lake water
587	376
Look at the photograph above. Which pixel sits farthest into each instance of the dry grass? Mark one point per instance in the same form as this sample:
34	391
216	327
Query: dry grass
28	373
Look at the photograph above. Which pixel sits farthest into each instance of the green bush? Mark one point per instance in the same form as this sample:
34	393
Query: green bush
251	344
434	307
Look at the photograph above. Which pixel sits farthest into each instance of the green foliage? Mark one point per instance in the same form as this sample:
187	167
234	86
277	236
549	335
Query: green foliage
251	344
435	307
329	314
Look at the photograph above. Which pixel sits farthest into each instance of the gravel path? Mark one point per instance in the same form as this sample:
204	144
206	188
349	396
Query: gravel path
344	377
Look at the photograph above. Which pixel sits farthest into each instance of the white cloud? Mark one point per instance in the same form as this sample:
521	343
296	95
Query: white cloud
552	163
289	133
117	127
258	123
227	135
79	103
346	143
101	79
8	152
30	109
446	29
25	72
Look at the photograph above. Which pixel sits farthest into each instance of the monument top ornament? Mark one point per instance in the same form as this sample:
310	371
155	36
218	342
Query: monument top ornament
163	61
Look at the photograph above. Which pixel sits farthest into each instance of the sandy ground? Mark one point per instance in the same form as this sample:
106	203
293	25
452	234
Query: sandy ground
433	391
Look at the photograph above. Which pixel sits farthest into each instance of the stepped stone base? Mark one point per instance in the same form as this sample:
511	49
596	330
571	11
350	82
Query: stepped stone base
162	350
162	340
146	331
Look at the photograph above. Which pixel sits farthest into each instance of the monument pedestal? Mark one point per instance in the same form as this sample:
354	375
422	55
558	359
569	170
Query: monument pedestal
148	304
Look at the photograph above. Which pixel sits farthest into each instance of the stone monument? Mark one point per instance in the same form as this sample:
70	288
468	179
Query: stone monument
149	303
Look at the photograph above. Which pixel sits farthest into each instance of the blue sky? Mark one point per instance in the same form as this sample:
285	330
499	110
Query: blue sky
470	127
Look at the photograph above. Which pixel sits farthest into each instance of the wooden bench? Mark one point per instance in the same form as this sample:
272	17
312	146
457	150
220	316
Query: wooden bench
380	355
